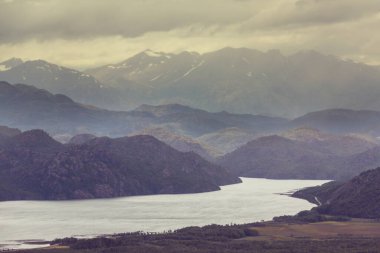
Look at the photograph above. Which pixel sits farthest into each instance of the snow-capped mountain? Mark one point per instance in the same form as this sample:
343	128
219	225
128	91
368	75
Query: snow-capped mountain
56	79
10	63
147	68
237	80
246	81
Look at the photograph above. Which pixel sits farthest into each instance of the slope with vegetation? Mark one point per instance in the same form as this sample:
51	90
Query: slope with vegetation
359	197
34	166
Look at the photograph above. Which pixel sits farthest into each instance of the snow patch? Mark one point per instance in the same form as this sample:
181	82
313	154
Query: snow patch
152	53
245	60
189	71
4	68
194	68
155	78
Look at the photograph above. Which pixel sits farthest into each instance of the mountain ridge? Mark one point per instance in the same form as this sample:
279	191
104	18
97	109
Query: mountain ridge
34	166
358	197
289	85
338	157
238	80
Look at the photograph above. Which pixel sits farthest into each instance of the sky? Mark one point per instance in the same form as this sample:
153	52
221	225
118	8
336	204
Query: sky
88	33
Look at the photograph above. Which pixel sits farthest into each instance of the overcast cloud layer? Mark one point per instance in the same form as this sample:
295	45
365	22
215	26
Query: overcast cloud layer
86	33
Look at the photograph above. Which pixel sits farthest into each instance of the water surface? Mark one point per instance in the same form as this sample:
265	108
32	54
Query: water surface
252	200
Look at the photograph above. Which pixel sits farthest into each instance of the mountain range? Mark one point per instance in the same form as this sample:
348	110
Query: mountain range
27	107
206	133
58	80
244	80
35	166
245	144
304	154
238	80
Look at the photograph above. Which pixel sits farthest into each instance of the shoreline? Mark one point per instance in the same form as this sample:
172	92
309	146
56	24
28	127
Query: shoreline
229	193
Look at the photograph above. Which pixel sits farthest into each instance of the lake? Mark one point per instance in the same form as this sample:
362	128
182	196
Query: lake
252	200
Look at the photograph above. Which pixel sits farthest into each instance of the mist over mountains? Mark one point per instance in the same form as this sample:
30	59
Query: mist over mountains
322	144
238	80
161	126
28	107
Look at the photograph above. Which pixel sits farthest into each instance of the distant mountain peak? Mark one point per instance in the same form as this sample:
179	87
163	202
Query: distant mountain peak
152	53
35	139
39	63
9	132
10	63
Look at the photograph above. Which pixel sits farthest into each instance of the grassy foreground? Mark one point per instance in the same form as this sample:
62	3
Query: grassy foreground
268	237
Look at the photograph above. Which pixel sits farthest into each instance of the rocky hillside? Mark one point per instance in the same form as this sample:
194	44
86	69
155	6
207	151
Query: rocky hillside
359	197
34	166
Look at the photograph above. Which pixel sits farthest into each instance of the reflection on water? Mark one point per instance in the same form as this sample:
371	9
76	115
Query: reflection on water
252	200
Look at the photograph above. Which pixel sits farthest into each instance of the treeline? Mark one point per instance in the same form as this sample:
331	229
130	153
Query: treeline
309	217
210	233
339	245
211	239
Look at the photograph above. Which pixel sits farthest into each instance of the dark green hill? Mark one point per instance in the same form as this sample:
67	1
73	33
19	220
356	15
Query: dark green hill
359	197
34	166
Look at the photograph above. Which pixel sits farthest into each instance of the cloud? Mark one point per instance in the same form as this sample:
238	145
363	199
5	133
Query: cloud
306	13
86	33
73	19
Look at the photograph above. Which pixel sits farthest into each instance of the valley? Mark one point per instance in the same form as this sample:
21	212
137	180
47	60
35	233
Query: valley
178	126
173	158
